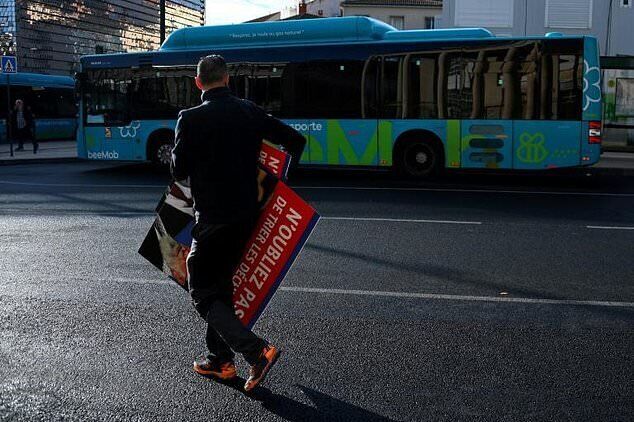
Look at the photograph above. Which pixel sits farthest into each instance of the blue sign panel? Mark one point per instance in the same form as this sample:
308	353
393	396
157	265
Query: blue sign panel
9	64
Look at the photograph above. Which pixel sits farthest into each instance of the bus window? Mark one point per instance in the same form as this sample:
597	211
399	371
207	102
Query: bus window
392	87
570	79
528	60
265	87
52	103
460	75
239	74
493	93
106	97
562	80
162	93
334	89
370	100
422	80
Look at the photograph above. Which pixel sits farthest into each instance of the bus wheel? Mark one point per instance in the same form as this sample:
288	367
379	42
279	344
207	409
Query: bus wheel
418	159
161	152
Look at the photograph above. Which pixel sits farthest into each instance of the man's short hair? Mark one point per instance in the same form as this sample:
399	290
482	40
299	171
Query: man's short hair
211	69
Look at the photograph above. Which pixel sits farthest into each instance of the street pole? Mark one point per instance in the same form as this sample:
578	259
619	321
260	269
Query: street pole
162	20
9	115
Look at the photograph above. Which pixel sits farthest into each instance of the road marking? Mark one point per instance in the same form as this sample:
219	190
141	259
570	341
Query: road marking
403	189
433	296
609	228
79	185
407	295
400	220
359	188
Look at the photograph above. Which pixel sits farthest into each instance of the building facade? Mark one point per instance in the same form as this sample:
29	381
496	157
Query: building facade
401	14
49	36
608	20
320	8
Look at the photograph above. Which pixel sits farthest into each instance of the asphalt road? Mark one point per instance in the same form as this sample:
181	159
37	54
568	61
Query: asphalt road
471	298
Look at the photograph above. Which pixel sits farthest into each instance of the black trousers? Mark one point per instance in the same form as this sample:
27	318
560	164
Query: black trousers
23	135
215	254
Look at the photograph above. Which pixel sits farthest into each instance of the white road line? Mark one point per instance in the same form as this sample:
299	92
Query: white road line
433	296
522	192
400	220
160	281
609	228
358	188
79	185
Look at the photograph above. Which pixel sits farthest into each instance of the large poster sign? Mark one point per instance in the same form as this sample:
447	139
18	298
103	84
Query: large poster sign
282	229
283	226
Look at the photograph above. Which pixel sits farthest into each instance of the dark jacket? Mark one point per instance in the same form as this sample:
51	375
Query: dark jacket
28	119
217	147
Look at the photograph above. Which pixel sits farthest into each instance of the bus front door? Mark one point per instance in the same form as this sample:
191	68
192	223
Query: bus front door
487	144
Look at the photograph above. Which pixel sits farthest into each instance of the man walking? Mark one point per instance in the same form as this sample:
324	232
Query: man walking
22	126
217	148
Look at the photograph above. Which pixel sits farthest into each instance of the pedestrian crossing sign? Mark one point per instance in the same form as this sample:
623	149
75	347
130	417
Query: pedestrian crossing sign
9	64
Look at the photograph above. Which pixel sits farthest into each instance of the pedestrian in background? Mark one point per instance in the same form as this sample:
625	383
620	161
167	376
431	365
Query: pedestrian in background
23	126
217	148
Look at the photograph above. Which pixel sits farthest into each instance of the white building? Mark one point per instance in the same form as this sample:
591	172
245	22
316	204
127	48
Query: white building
401	14
322	8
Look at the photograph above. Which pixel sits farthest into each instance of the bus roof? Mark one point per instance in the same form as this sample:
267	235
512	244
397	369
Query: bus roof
191	43
303	32
36	79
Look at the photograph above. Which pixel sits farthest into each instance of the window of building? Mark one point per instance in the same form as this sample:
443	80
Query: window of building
397	22
626	3
573	14
489	13
430	22
99	49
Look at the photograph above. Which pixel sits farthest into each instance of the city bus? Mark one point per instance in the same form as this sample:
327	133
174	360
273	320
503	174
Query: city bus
50	98
363	94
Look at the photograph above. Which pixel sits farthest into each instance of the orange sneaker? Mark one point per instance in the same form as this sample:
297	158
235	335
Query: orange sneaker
213	367
267	359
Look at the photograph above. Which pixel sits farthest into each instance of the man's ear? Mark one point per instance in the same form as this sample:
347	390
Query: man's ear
199	84
227	80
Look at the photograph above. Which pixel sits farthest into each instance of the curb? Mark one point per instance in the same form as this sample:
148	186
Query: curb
611	171
603	171
626	149
27	161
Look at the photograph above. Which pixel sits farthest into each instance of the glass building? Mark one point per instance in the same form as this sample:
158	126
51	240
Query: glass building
49	36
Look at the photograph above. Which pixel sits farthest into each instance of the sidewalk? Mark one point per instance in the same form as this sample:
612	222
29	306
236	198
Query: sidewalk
49	151
615	163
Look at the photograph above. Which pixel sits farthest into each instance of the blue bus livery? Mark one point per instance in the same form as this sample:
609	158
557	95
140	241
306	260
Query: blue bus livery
364	94
51	99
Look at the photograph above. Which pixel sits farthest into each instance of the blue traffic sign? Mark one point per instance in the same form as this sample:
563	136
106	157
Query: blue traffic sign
9	64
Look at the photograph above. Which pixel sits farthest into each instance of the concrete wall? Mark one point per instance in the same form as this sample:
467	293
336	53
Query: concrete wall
414	16
530	17
328	8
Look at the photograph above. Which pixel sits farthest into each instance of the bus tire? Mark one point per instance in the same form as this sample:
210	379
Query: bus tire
160	149
418	159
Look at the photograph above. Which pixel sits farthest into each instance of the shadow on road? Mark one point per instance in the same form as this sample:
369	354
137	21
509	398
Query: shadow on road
327	408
